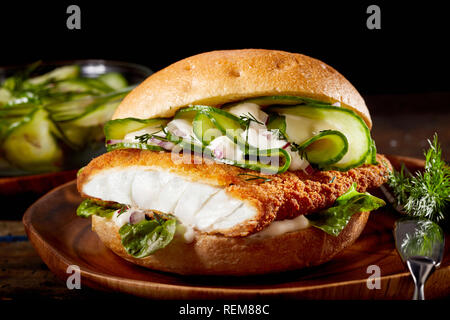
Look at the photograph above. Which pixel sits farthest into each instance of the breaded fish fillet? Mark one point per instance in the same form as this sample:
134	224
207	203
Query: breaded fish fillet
217	198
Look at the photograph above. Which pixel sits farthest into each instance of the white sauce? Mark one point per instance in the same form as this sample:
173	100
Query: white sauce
223	147
125	217
297	162
181	128
277	228
122	219
247	108
186	233
261	138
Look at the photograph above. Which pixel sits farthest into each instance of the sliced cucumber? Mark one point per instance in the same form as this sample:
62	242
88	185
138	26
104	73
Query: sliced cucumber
79	85
31	144
204	129
72	110
6	124
372	156
277	122
16	111
278	100
97	115
133	145
5	96
114	80
58	74
87	127
97	84
226	122
325	148
303	120
261	161
79	120
119	128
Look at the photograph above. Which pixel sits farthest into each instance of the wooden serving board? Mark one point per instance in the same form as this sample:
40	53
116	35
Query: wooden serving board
62	239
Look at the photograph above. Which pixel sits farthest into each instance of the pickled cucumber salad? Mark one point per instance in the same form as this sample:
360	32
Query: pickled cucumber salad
266	134
46	119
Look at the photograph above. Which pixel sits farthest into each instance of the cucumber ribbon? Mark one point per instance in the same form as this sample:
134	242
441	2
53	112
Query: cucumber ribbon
210	123
343	140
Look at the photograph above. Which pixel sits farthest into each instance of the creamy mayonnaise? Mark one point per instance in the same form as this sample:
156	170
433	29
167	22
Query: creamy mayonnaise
280	227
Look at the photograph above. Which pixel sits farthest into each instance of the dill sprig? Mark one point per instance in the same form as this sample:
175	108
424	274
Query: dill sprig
123	209
147	136
247	118
426	194
254	177
295	147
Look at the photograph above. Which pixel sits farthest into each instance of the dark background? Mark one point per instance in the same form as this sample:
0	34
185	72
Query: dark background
408	54
402	70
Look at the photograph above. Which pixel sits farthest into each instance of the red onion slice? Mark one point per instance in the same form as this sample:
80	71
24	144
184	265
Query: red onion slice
309	170
218	154
136	217
114	141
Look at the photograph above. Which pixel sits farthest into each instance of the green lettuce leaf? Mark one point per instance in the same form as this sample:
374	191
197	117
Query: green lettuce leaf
89	207
144	238
333	220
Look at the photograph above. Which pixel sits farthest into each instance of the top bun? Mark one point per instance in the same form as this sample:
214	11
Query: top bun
218	77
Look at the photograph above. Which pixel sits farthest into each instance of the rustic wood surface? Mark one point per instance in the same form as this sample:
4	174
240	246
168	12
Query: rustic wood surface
62	239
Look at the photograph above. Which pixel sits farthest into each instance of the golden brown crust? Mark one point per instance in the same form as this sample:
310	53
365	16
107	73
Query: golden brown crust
286	195
217	77
218	255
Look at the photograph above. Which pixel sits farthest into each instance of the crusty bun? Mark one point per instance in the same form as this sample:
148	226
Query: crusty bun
218	255
218	77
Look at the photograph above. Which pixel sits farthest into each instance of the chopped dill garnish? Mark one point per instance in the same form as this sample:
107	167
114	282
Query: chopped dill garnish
147	136
247	118
123	209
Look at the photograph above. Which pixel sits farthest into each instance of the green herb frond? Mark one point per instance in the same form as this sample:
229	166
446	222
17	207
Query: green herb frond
424	194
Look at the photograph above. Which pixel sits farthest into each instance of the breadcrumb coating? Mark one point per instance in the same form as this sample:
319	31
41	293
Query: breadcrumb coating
284	196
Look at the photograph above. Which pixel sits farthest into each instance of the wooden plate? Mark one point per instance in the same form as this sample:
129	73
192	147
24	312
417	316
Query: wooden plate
62	239
37	183
18	193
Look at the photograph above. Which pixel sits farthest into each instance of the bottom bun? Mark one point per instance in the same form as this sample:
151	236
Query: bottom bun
218	255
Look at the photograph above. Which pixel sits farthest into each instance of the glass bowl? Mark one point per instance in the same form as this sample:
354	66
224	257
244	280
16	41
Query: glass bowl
90	68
